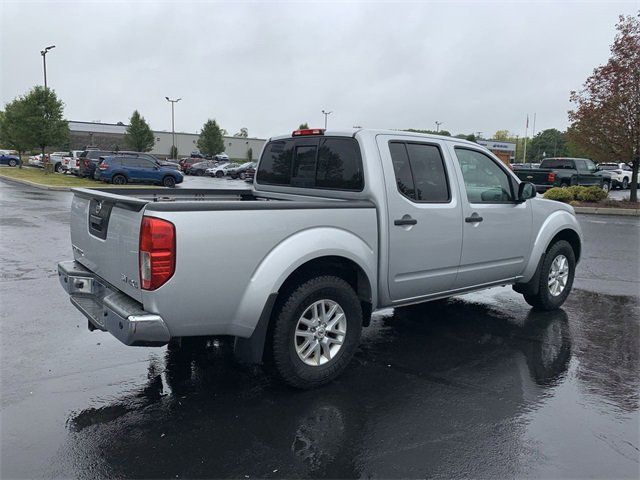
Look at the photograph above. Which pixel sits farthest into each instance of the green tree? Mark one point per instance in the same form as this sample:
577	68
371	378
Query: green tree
503	136
173	152
547	143
138	135
471	137
211	141
606	119
250	155
303	126
34	119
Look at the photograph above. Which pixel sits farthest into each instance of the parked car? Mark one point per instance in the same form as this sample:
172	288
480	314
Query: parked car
88	161
185	163
123	169
11	160
200	168
71	163
376	219
37	161
221	157
57	159
221	169
169	164
564	172
620	173
240	171
249	174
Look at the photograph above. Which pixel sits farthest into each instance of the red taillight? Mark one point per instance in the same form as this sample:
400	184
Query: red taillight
103	166
157	252
551	177
86	163
308	131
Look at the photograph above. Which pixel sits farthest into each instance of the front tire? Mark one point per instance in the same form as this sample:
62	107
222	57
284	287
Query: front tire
606	186
556	277
12	163
316	331
219	174
625	183
169	181
57	167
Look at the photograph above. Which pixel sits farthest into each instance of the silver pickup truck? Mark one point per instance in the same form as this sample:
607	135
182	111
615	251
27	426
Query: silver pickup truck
337	225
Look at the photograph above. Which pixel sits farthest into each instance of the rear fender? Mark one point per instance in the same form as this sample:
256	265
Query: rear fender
294	251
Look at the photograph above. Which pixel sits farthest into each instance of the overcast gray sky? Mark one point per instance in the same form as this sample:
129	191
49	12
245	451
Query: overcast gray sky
268	66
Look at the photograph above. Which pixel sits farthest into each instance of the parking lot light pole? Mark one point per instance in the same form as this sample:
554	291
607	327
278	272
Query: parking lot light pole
438	126
44	62
173	128
326	114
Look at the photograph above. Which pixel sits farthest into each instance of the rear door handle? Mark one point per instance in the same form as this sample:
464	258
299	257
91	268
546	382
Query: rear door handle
405	221
473	218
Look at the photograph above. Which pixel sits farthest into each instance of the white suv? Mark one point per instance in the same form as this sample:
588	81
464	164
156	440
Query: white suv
620	174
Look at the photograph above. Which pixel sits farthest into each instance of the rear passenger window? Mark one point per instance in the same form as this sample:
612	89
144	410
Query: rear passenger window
420	172
312	162
339	164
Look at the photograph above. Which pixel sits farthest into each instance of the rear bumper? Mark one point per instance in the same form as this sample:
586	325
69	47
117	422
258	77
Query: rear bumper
110	310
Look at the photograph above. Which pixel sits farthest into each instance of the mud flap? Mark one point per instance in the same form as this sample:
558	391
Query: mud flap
250	350
532	287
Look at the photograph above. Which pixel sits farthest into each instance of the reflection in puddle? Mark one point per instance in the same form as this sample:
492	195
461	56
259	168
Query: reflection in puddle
434	390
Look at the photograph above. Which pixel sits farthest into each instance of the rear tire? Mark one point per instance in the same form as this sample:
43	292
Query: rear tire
169	181
199	173
119	180
327	337
219	174
554	286
606	186
12	163
57	167
564	185
243	176
625	183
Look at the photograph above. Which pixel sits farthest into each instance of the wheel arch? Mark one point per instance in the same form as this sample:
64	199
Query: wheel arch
345	255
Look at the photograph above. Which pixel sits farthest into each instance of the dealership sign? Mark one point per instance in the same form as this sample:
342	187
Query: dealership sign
502	146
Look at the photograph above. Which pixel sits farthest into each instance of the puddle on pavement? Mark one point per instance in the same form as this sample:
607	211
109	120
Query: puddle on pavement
449	389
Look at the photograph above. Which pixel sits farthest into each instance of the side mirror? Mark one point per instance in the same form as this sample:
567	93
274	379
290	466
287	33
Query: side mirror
526	190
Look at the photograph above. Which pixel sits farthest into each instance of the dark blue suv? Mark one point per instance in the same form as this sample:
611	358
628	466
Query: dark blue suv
123	169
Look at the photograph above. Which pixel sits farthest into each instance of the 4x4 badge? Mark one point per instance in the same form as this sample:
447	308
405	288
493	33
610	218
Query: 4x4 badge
98	206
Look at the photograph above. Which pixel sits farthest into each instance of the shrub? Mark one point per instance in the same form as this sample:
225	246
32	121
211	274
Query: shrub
592	194
576	191
559	194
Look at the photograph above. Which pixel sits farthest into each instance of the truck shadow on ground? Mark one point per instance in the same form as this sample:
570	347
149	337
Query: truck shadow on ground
427	381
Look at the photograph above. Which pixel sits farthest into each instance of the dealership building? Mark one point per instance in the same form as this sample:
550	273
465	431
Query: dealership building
505	151
110	136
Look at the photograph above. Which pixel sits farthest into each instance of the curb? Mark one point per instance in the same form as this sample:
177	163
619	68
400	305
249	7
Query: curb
28	183
629	212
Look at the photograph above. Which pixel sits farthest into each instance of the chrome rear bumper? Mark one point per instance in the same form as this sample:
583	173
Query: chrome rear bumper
110	310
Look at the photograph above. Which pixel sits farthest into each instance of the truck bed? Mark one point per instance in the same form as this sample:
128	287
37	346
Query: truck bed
192	199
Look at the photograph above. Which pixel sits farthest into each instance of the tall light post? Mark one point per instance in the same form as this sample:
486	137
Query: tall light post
173	128
44	62
326	114
438	126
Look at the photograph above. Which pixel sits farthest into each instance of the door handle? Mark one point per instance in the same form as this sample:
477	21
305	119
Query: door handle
473	218
405	221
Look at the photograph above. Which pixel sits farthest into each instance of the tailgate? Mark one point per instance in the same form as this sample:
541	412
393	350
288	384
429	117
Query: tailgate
534	175
104	237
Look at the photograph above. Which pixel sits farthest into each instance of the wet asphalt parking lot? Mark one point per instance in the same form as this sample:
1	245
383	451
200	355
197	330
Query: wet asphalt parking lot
481	387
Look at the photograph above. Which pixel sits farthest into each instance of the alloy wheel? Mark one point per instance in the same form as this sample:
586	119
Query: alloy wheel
320	332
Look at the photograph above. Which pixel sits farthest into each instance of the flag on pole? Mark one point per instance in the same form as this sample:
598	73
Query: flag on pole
527	120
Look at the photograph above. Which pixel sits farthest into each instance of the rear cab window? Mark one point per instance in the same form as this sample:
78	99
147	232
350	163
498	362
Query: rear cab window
318	162
420	171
